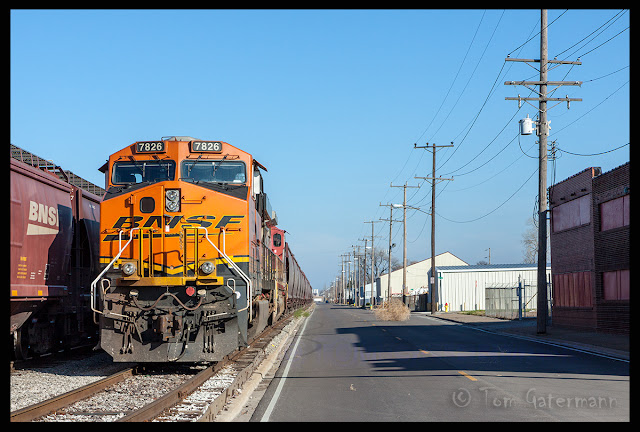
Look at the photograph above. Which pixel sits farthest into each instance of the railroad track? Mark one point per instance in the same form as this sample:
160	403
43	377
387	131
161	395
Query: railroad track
214	393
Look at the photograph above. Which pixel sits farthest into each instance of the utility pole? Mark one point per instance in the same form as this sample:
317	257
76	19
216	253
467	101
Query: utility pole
342	297
390	247
373	261
356	275
339	282
341	278
433	178
352	274
364	272
405	290
543	133
347	295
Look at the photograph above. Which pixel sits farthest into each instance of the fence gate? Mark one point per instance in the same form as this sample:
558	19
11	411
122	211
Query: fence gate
513	301
418	303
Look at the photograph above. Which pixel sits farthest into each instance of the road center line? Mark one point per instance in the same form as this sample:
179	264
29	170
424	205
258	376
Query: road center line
467	375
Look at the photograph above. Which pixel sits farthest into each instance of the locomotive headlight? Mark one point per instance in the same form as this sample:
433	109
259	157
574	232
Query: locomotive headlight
206	267
172	200
129	268
172	206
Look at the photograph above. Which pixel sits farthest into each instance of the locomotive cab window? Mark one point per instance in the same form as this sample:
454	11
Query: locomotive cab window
133	172
232	172
277	240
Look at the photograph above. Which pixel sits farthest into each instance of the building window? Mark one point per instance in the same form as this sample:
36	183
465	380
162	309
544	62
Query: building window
615	213
572	214
615	285
572	290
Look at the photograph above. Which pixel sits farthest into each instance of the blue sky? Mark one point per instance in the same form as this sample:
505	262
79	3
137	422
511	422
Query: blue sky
332	102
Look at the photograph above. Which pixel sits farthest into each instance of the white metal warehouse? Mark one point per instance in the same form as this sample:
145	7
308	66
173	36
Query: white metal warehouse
462	288
416	275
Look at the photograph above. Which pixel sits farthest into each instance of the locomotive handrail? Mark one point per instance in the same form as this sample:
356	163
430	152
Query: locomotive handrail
235	267
226	257
95	281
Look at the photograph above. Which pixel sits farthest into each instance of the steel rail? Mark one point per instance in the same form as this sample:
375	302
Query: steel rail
50	405
155	408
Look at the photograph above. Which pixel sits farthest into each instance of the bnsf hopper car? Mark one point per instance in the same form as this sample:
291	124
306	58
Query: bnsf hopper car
186	242
54	258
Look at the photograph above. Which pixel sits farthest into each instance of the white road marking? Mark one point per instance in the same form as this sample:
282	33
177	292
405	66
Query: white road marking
276	395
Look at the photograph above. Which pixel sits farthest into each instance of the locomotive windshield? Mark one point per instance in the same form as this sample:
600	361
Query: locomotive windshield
213	171
133	172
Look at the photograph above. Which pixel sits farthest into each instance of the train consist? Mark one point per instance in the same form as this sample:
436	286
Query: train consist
193	262
55	218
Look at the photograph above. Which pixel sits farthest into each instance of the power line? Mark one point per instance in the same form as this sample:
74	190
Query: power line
486	99
445	98
601	102
491	91
499	172
470	76
492	211
604	42
616	15
531	38
604	76
593	154
476	117
455	78
472	122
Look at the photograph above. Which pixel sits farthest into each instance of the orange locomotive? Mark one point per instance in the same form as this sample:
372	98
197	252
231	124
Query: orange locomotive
185	241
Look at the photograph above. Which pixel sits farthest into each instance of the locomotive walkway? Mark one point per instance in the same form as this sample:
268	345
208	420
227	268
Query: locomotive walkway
344	365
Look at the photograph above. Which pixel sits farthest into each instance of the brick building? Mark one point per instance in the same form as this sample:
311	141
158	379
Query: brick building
590	261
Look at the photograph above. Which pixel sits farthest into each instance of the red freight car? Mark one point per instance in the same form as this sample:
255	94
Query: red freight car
54	252
298	287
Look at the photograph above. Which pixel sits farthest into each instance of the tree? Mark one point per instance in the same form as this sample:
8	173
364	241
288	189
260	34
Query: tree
530	243
381	264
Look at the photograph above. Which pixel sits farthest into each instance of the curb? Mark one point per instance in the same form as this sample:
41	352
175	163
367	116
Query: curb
591	349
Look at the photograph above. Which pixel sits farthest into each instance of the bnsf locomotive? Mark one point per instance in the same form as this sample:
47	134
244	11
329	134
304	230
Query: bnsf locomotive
55	222
194	264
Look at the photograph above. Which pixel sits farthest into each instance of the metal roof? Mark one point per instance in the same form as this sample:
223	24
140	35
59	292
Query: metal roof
29	158
489	267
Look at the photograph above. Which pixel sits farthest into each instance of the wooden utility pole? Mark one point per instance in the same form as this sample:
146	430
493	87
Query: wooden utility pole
405	290
349	276
342	296
373	261
364	272
433	178
390	247
543	133
356	275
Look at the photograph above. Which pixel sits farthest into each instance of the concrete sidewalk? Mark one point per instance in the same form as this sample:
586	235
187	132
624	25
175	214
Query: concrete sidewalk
614	345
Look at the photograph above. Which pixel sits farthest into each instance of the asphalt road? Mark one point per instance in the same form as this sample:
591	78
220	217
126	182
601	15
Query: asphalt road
344	365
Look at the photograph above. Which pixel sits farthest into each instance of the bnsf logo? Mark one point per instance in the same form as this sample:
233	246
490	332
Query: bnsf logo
128	222
42	214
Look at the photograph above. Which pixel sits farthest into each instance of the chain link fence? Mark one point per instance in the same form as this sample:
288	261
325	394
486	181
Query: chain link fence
509	301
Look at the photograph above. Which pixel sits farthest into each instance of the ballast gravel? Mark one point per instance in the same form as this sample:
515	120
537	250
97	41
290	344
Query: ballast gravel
120	399
39	383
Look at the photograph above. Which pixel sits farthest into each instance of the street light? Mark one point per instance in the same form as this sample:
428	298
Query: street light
404	249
